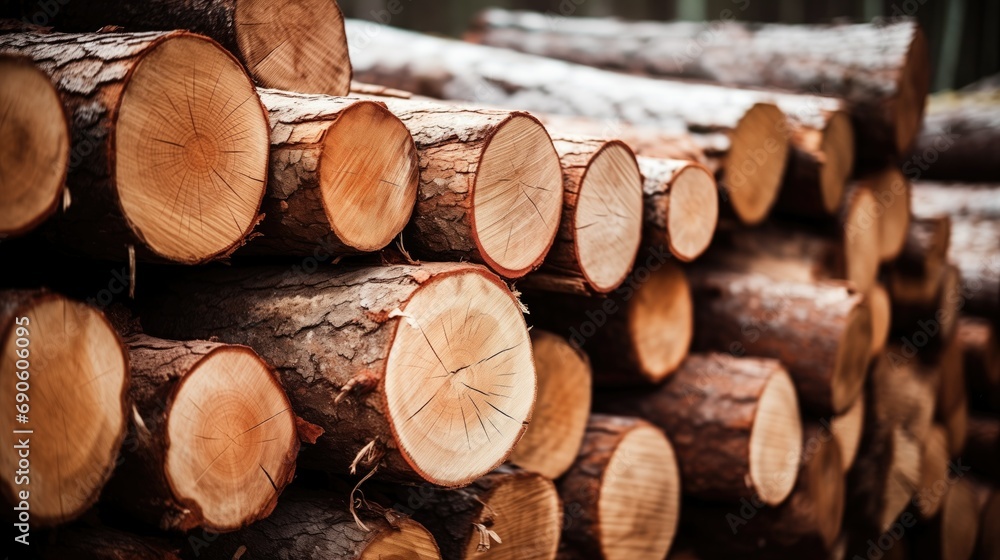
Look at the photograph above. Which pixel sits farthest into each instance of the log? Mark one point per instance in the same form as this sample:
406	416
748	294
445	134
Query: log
63	365
490	189
934	465
847	429
602	214
952	534
925	310
508	514
982	447
638	335
808	520
904	391
957	425
295	45
884	78
552	441
622	495
402	366
202	454
169	143
988	543
34	146
87	542
820	331
926	248
960	200
884	478
891	216
752	130
955	141
980	361
310	523
343	176
680	206
881	307
734	423
951	392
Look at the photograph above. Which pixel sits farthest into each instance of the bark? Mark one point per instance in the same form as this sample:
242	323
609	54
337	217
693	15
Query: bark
313	524
959	135
982	446
105	543
980	361
926	247
820	331
296	221
459	517
925	314
707	409
959	200
76	491
464	72
91	72
904	391
218	20
450	142
885	76
159	368
821	159
328	334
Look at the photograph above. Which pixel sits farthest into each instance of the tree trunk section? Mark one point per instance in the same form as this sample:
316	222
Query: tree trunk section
357	348
680	206
711	408
144	172
982	446
926	248
820	331
980	361
957	138
184	425
343	177
64	366
104	543
296	46
636	336
751	129
951	535
884	78
597	495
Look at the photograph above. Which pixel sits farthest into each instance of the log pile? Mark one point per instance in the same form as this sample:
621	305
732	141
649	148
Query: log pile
491	304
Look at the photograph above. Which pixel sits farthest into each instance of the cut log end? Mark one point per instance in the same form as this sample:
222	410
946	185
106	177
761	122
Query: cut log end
903	478
989	527
523	510
518	197
959	522
912	88
639	500
854	353
776	435
552	441
368	168
933	472
825	482
34	146
861	255
78	382
892	190
847	429
191	149
232	439
661	322
608	218
693	211
295	45
459	381
408	539
881	311
837	150
756	162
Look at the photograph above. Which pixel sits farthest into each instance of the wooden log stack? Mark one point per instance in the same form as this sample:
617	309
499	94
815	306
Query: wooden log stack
489	304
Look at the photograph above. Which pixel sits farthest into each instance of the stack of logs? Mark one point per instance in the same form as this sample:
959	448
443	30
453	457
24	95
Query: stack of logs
764	309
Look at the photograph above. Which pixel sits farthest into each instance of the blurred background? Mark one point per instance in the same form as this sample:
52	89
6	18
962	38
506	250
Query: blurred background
964	34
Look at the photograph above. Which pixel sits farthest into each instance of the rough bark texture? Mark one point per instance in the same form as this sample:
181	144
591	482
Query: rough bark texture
308	523
141	486
982	445
104	543
927	315
450	141
884	77
780	253
926	247
328	335
214	18
806	326
959	137
707	409
459	71
90	71
295	221
580	487
981	362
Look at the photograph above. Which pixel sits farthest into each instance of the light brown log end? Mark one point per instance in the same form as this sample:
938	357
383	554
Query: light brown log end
524	511
959	523
77	382
552	440
518	197
680	205
837	152
755	164
660	322
406	539
862	231
823	483
933	472
913	85
296	45
459	380
34	146
191	150
903	477
776	426
847	429
231	439
881	311
892	191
